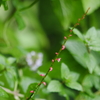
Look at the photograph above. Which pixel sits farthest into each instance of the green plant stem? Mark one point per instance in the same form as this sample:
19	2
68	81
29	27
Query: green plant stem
87	47
65	40
27	7
15	93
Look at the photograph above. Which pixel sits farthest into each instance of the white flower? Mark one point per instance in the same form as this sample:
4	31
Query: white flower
34	60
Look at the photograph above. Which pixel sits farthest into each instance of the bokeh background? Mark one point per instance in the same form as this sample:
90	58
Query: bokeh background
31	31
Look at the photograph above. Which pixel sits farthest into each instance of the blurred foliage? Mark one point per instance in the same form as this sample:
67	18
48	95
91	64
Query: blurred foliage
30	29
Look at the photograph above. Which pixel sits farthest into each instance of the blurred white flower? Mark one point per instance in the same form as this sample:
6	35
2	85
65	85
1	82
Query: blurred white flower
34	60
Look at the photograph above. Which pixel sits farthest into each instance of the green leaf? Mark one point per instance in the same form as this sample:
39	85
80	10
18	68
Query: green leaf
70	78
74	85
90	81
78	33
0	2
20	21
11	60
84	96
97	70
77	49
92	39
95	47
79	52
93	4
2	67
4	2
54	86
73	76
25	82
90	62
87	82
3	94
64	71
97	97
19	52
2	62
31	87
63	11
91	35
64	93
11	76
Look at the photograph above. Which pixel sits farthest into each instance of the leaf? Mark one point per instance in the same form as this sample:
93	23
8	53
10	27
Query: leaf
2	62
0	2
90	81
87	82
31	87
95	47
70	77
97	97
25	82
63	11
91	35
90	62
79	52
93	4
92	39
84	96
4	2
73	76
11	60
74	85
64	71
54	86
11	76
2	67
3	94
20	21
64	93
78	33
97	70
77	49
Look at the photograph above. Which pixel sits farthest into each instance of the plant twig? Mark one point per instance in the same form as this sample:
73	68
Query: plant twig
56	57
35	1
15	93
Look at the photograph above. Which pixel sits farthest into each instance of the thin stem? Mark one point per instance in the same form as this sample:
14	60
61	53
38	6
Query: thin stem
87	47
35	1
65	39
15	93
